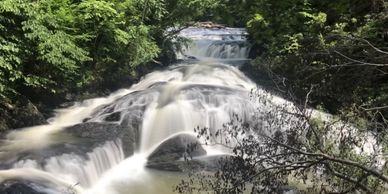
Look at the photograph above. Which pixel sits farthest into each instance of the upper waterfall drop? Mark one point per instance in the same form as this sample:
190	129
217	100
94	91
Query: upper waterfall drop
215	44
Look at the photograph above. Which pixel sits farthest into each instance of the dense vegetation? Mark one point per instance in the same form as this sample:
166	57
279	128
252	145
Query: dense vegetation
331	55
337	47
51	48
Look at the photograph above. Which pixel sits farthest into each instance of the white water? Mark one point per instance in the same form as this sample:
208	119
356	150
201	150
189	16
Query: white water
203	93
75	169
216	44
176	100
38	137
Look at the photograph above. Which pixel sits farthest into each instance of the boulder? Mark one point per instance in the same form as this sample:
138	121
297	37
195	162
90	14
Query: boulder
176	148
171	153
19	188
19	114
93	134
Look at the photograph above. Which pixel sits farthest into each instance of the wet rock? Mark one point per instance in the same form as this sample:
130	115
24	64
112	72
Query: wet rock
191	57
177	147
86	119
19	188
113	117
92	134
19	114
207	163
171	154
208	24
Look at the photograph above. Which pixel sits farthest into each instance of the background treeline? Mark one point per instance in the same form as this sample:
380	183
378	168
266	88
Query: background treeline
50	48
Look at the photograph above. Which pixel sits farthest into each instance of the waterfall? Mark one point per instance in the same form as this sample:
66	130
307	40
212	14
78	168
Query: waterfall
76	146
105	145
216	44
39	137
75	169
203	94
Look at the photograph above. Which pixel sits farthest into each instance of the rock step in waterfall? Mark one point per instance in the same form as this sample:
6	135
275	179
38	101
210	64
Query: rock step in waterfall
226	44
109	145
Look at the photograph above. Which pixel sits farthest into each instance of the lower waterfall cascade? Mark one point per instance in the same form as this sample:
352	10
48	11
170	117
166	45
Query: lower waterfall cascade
108	145
104	145
101	145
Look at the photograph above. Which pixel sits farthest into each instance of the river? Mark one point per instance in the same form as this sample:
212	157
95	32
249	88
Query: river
102	145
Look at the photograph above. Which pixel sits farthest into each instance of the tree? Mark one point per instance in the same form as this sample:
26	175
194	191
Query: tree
320	43
59	46
327	55
37	49
50	48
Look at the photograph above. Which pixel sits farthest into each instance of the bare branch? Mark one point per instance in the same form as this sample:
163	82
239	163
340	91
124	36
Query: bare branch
342	176
375	108
371	45
379	175
357	62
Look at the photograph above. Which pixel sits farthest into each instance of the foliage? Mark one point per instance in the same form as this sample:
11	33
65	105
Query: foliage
288	146
333	51
330	55
336	46
53	47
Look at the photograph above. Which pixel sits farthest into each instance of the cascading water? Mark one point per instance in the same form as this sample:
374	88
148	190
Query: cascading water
102	145
216	44
75	169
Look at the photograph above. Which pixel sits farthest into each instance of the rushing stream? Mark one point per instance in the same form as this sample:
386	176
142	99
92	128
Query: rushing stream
103	145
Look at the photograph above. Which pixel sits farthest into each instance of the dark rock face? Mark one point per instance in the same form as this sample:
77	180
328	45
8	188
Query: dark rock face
176	148
19	188
93	134
20	114
113	117
171	153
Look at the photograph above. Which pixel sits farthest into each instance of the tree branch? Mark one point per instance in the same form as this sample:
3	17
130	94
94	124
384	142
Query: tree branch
358	63
333	159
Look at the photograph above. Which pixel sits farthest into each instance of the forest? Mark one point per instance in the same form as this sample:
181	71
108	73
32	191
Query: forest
328	55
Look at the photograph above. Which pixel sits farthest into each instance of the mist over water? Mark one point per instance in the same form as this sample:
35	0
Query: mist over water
205	91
